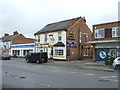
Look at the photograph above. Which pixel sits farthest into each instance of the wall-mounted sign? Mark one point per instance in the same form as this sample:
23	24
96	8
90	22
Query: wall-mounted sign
71	43
71	35
102	54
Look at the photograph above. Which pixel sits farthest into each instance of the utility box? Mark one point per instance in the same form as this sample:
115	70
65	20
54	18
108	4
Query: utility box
109	60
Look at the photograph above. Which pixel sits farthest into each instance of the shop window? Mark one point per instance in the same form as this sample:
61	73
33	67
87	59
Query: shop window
112	52
99	33
59	51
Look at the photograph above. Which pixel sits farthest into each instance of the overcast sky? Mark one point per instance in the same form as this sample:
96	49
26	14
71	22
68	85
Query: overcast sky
29	16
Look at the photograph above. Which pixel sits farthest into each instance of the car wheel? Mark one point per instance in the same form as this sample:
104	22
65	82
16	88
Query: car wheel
27	60
38	61
117	67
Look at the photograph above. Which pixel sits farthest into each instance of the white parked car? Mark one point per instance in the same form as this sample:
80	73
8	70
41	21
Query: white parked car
116	63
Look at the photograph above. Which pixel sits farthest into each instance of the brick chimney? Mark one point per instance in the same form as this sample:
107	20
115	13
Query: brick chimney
6	34
84	19
15	33
72	21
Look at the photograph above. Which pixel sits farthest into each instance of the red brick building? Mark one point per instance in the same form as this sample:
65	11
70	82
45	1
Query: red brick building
65	39
106	40
16	44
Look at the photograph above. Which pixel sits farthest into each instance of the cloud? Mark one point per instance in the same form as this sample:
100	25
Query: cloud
32	15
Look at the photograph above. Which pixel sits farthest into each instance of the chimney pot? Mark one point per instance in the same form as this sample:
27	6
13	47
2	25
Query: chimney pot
14	33
6	34
84	19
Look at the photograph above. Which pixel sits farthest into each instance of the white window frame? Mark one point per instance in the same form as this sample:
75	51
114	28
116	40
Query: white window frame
97	33
38	39
80	37
45	37
86	38
59	35
58	52
115	29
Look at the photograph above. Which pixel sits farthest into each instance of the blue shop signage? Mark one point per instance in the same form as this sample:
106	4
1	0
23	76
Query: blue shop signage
23	46
101	54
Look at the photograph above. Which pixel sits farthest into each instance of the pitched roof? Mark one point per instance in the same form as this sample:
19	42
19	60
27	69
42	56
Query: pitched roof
62	25
9	38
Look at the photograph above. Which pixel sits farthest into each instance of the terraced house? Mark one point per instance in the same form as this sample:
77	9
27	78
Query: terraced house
65	40
106	40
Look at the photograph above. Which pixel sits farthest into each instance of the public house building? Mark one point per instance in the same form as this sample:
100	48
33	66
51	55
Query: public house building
65	40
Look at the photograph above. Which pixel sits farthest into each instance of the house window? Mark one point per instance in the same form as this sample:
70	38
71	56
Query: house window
59	51
59	36
80	37
116	32
86	38
38	38
85	52
99	33
45	38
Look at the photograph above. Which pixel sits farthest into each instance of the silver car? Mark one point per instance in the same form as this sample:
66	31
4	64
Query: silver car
116	63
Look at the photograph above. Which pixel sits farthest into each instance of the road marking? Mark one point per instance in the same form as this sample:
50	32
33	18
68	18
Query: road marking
112	80
89	74
45	84
27	67
108	77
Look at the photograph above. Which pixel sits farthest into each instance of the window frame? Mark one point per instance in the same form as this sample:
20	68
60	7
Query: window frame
59	51
97	34
116	30
45	37
59	36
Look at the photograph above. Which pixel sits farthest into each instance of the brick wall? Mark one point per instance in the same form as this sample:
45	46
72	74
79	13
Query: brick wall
22	40
79	26
108	30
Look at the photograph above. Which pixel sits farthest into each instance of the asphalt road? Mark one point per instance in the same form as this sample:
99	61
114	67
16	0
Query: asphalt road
19	74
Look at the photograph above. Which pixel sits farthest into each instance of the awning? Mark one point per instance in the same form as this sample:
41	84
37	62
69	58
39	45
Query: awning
59	44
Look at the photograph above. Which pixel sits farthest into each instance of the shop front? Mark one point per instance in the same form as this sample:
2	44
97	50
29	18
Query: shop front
104	51
21	50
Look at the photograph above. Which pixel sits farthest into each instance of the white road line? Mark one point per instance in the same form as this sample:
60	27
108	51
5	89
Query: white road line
88	74
109	77
47	85
112	80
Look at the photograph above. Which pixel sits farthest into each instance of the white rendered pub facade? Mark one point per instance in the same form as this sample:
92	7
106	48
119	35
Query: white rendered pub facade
64	40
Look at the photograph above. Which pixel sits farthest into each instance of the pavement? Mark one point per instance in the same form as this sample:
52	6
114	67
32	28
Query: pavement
87	64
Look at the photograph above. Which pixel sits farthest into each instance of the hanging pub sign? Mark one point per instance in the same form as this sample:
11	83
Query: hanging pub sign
71	35
71	43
